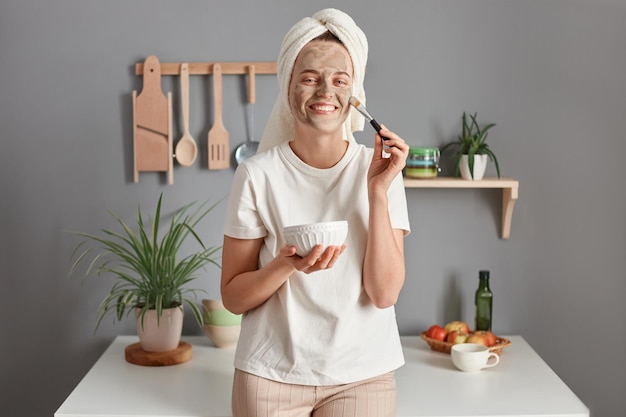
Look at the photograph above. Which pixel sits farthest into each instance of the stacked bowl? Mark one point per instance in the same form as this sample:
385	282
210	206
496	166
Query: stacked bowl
220	325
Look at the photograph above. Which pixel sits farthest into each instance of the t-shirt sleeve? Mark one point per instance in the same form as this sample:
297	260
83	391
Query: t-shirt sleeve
242	216
398	211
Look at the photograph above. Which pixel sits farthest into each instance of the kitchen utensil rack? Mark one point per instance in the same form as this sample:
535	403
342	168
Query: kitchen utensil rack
152	111
206	68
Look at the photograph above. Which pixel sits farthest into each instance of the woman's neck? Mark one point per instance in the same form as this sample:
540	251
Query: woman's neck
318	149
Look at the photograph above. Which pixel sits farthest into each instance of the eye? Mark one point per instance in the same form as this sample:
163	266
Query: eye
308	79
342	82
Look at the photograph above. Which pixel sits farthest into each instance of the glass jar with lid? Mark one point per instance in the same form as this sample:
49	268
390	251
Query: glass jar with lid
422	163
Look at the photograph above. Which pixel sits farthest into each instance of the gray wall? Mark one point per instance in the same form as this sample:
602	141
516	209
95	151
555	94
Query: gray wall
551	74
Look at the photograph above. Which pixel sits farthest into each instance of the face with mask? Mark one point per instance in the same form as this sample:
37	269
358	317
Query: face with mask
321	86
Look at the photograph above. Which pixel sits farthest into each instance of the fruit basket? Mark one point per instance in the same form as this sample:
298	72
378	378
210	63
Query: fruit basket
442	346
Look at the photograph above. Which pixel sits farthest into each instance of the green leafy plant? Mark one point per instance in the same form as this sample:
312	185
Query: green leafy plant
148	275
472	141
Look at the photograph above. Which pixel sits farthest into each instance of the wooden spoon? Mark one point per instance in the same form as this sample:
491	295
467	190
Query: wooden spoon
186	148
218	144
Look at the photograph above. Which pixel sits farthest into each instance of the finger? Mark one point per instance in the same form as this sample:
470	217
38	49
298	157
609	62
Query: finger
312	258
391	137
399	151
324	262
397	146
288	250
378	144
336	255
387	134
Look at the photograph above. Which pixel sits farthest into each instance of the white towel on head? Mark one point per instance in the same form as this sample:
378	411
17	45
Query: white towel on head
280	126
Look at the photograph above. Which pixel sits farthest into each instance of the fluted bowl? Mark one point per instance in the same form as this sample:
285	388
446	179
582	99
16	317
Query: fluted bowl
305	236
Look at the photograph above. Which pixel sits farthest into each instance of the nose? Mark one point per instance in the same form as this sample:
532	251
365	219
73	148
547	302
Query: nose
325	88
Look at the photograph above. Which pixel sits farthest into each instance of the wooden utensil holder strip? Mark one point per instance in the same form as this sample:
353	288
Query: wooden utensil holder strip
205	68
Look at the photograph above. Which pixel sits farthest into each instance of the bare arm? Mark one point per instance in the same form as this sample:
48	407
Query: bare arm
383	266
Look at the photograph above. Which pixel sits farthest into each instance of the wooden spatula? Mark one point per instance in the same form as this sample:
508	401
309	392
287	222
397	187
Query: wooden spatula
218	143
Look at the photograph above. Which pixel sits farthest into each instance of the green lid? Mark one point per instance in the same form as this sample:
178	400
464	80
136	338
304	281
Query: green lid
423	151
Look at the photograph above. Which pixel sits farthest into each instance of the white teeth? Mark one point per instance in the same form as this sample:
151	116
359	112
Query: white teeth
324	108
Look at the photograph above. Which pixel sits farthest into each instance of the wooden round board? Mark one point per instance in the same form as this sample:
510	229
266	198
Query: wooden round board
136	355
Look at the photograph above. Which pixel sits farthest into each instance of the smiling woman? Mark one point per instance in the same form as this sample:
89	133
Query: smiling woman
324	319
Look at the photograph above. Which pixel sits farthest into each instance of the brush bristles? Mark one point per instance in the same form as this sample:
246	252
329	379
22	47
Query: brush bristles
360	108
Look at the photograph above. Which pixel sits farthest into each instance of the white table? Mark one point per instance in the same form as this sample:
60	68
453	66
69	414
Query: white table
521	385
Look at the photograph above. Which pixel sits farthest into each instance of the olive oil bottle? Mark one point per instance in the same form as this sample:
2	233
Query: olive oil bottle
484	302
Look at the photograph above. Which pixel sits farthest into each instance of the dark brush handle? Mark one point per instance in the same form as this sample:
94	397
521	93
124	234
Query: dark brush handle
376	126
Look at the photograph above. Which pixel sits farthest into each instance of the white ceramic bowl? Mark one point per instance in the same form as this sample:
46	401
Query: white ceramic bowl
305	236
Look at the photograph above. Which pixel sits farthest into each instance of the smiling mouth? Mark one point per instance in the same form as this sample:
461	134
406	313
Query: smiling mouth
323	108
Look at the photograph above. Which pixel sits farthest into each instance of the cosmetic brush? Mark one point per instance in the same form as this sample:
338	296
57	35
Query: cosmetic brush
361	108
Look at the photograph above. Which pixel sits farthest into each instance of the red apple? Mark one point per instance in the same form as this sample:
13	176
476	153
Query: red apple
482	337
457	325
457	336
436	332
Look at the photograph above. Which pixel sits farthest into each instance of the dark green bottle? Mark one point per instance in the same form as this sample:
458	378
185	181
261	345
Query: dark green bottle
484	302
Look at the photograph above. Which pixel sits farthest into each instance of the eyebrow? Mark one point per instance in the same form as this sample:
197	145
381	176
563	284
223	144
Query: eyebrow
341	72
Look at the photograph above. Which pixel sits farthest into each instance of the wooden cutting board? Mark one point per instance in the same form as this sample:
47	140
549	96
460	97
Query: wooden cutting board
152	124
136	355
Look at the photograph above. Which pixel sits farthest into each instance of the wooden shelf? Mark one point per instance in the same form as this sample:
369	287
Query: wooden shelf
509	188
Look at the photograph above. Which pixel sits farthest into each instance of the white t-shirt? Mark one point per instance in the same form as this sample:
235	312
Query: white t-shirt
320	328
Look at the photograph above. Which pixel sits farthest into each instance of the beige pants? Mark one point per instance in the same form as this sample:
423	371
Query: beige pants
254	396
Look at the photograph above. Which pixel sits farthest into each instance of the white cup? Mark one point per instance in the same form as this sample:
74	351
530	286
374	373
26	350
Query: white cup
472	357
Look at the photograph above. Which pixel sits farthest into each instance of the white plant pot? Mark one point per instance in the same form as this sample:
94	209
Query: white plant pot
164	335
480	164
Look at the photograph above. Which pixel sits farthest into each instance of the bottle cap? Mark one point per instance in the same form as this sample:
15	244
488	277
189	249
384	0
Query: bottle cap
483	274
424	151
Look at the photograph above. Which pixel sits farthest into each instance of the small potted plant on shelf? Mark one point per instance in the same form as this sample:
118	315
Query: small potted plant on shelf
150	278
472	149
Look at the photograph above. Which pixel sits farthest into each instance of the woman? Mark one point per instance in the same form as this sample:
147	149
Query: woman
319	336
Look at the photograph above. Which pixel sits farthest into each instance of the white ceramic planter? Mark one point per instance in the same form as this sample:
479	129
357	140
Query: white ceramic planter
480	164
164	335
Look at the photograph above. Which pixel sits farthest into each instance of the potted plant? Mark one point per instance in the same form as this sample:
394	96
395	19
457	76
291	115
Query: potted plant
472	149
150	278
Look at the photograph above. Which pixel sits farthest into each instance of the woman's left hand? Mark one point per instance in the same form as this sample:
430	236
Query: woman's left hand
316	260
383	169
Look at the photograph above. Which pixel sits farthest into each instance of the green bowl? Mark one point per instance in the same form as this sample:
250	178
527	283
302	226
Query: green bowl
221	317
